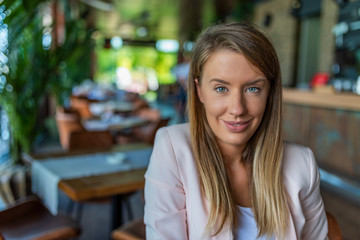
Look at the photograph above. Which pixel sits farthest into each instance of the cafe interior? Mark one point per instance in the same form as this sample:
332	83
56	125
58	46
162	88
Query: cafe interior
86	84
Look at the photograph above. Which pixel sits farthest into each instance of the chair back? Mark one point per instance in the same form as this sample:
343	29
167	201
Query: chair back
67	121
73	135
150	138
30	219
151	114
139	104
148	132
90	140
82	106
333	228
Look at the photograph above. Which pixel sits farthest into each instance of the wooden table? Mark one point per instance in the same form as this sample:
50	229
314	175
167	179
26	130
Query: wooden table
114	185
100	186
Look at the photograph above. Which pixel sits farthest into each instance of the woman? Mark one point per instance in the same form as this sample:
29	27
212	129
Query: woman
227	174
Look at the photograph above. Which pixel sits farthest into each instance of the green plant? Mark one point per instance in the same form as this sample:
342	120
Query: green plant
36	71
72	58
133	58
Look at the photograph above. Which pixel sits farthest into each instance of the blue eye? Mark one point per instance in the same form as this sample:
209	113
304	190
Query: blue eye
221	89
253	90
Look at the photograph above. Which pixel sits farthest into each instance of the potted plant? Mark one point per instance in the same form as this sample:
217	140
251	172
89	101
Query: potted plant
33	68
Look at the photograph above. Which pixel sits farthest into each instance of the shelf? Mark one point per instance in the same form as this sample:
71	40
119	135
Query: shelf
324	100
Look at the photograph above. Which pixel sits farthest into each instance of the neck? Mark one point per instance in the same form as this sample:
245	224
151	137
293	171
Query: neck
232	154
239	175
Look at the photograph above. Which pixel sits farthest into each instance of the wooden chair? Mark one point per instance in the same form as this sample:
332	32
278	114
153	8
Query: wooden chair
81	105
140	104
334	228
30	219
73	136
145	133
135	230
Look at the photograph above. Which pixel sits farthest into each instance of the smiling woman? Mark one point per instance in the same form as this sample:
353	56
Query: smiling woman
227	171
234	95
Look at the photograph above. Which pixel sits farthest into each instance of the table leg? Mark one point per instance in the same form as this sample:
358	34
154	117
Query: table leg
116	211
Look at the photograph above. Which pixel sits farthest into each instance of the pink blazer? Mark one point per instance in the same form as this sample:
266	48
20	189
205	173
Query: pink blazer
176	209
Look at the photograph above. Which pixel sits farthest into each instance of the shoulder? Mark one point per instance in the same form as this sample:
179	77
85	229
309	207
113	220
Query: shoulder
299	166
178	136
176	130
174	136
297	155
172	148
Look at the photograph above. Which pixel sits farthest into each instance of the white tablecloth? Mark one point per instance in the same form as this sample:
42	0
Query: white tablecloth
47	173
114	123
99	108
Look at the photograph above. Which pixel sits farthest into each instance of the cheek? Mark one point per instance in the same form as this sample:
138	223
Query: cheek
258	108
213	105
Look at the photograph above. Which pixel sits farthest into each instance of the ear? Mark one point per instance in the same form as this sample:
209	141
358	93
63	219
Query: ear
198	90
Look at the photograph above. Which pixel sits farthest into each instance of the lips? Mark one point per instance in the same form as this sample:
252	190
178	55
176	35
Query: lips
236	123
237	126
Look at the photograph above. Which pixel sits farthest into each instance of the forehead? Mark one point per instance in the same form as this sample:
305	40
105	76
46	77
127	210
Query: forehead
229	65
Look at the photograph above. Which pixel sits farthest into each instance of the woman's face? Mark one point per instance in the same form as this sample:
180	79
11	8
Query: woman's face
234	94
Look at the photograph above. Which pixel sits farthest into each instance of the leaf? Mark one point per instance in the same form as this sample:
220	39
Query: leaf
35	72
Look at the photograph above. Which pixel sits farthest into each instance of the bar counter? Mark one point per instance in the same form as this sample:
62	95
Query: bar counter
344	101
329	124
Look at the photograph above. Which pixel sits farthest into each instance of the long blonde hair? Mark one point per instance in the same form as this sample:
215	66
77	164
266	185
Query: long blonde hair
264	149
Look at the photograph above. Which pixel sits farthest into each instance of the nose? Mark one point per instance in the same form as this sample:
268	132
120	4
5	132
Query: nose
237	104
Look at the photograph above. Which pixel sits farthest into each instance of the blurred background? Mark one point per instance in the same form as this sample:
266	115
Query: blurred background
111	59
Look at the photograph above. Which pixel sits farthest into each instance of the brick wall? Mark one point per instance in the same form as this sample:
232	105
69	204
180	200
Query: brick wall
282	31
329	16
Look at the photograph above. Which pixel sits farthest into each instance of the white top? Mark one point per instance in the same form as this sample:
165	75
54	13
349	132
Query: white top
247	228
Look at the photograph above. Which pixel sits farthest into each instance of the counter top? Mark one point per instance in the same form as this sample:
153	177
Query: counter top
325	100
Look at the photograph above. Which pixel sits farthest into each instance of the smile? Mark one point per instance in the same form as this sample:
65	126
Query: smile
237	126
236	123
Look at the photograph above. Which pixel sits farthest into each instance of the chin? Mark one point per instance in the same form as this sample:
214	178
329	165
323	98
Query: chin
233	142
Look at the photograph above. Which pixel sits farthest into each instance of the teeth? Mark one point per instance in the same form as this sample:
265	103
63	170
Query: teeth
235	125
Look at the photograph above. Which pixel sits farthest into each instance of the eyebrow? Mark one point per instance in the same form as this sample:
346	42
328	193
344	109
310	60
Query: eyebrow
227	83
219	81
